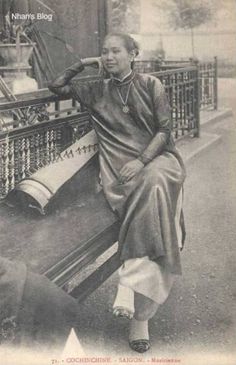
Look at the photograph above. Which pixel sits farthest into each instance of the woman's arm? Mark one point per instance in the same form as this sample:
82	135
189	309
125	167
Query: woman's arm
159	141
163	119
154	148
60	85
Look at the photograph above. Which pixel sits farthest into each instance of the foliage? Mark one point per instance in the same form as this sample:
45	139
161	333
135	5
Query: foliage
125	16
11	30
189	14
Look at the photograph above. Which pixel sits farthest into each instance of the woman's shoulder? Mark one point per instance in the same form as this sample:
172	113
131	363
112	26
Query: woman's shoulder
149	81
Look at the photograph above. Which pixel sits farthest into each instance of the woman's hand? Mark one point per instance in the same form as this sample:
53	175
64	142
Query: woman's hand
129	170
94	62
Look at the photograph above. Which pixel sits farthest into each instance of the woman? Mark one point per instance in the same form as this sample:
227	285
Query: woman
142	175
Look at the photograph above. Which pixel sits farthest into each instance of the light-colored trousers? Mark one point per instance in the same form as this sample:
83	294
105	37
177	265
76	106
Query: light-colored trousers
143	284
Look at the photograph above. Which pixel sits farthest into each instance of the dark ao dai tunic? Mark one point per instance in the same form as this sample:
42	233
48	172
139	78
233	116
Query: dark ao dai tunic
146	204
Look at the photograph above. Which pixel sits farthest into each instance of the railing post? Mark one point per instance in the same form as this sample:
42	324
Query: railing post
158	64
197	98
215	83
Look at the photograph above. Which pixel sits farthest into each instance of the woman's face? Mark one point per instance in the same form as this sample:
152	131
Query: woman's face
115	57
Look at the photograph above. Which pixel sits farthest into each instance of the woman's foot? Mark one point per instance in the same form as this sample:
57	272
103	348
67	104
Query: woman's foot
124	303
122	312
139	336
140	346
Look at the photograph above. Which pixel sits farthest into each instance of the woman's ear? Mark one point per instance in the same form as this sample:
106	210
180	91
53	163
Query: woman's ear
132	55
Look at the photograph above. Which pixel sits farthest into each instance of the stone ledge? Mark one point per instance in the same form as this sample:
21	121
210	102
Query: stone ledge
189	147
212	116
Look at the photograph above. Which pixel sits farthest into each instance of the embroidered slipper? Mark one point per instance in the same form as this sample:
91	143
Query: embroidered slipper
141	346
122	312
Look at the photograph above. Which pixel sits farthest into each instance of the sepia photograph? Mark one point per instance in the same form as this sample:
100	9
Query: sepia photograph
117	182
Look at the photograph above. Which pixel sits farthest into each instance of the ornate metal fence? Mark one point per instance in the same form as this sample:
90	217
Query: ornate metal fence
182	88
207	76
49	124
147	66
25	147
208	84
159	65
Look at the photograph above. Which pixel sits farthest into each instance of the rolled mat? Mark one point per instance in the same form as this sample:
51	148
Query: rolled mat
44	184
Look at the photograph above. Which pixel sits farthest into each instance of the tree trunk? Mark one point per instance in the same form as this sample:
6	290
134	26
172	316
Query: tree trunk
192	42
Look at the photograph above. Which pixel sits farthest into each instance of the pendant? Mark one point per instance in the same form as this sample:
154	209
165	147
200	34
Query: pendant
125	109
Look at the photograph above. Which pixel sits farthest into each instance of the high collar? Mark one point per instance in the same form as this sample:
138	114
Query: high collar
125	80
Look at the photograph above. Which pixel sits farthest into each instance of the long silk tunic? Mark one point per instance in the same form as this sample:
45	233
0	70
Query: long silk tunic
146	204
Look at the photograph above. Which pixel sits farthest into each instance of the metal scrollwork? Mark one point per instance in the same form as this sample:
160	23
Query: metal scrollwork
79	132
35	114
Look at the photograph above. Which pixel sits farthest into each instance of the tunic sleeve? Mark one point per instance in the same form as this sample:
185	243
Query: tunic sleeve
162	117
161	107
85	90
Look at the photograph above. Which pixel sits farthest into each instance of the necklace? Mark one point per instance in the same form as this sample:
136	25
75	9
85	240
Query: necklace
125	107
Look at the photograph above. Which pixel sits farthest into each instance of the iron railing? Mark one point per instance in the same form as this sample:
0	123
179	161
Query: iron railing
159	65
182	89
208	84
208	96
50	124
25	147
147	66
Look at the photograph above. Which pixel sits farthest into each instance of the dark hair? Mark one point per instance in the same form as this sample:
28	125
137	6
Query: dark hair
129	43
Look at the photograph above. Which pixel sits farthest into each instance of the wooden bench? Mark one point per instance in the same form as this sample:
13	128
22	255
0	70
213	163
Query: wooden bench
78	228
